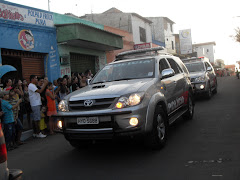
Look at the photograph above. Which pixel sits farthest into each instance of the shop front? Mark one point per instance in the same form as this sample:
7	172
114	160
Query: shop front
82	44
28	43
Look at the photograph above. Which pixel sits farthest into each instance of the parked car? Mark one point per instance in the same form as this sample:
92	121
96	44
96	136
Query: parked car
203	76
139	94
5	173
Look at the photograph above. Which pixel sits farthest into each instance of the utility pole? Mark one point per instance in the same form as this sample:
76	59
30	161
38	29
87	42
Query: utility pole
48	5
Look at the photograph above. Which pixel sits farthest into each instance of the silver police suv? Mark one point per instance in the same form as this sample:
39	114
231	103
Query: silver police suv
139	94
203	77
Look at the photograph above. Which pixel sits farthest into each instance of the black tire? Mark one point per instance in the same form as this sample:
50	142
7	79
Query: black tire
215	88
188	115
157	138
209	92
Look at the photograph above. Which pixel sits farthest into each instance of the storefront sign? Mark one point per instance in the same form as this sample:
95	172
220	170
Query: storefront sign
185	41
142	46
26	15
26	39
65	70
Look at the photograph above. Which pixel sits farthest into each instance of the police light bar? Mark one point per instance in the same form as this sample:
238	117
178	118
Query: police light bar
140	51
192	59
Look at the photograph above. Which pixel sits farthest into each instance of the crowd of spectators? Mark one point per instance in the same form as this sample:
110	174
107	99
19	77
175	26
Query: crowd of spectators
38	101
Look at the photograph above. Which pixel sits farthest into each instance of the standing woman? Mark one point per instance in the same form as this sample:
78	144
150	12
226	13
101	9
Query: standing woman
51	106
83	82
8	85
75	84
26	97
63	90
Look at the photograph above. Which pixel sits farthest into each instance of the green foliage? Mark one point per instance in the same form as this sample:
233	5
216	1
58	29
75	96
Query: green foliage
220	63
237	36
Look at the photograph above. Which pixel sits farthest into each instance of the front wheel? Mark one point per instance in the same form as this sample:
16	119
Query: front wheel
215	89
209	92
188	115
157	138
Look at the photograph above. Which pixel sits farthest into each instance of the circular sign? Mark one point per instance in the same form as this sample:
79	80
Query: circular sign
26	39
185	34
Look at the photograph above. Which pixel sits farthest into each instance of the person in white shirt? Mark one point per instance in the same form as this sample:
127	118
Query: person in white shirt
35	102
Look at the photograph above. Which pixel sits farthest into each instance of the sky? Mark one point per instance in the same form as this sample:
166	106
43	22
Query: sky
209	20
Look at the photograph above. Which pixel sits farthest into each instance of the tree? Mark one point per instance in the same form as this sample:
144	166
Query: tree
237	35
220	63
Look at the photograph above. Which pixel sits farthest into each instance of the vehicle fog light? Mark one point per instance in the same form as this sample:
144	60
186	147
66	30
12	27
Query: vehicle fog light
60	124
133	121
202	86
119	105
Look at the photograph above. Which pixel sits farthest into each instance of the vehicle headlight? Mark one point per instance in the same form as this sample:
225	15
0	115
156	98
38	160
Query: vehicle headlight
63	106
200	79
129	100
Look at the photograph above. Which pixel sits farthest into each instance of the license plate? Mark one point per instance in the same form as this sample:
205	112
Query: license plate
87	120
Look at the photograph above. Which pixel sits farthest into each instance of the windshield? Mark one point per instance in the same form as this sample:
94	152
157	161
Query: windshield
195	67
127	70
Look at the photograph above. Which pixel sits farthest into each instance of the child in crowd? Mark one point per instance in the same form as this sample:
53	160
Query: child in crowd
42	124
51	105
8	120
18	124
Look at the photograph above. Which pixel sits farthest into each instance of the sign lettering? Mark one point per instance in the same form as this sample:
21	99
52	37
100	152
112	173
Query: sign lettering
31	16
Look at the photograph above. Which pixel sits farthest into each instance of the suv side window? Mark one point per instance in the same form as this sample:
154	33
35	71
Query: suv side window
163	64
207	65
174	66
184	68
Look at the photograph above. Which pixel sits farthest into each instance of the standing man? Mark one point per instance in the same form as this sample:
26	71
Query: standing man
35	102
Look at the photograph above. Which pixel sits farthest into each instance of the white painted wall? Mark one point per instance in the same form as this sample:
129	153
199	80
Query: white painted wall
161	30
157	28
136	23
169	39
205	50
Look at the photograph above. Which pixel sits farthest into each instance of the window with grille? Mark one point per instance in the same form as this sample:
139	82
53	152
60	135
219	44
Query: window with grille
142	34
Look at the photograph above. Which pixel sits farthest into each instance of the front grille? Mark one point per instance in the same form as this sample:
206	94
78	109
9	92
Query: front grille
90	126
97	105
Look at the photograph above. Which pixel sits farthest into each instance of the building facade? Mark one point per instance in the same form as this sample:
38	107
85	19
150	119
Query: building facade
83	44
128	43
28	41
205	49
162	33
139	26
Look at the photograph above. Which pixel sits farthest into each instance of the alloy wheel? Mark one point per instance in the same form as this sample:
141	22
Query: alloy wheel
161	128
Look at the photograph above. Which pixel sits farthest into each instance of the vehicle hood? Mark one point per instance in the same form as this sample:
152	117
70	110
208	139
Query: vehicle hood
109	89
196	74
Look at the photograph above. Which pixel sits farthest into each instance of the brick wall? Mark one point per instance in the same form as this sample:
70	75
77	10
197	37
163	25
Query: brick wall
128	43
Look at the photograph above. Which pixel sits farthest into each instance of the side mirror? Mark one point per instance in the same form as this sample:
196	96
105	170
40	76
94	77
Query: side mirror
167	73
88	81
209	68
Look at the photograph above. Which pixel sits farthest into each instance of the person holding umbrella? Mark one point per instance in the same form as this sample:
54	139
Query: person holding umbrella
8	85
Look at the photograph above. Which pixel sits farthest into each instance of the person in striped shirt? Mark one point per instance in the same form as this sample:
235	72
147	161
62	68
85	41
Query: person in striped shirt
8	119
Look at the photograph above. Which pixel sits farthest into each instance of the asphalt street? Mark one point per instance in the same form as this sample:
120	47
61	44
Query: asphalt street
205	148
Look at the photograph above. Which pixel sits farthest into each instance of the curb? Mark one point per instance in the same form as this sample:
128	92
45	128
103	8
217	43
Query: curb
26	134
